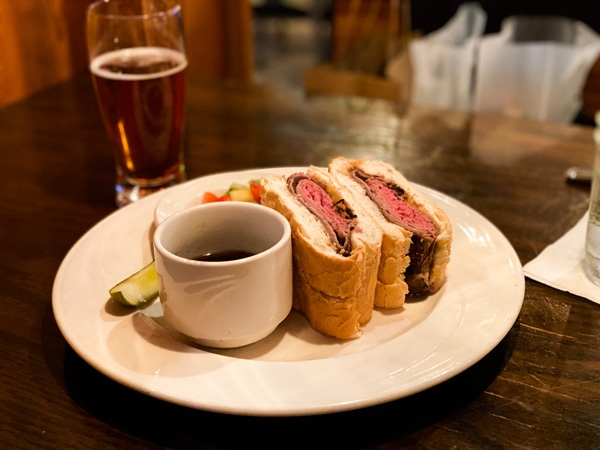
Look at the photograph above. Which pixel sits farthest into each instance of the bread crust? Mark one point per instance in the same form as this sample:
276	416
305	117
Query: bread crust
333	316
392	288
335	292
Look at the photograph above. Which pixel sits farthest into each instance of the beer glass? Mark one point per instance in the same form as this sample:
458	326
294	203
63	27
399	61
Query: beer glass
138	64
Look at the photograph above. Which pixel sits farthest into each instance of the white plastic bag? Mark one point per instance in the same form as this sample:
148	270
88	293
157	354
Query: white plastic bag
538	79
443	62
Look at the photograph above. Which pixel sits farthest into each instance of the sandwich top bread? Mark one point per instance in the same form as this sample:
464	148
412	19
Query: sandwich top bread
362	236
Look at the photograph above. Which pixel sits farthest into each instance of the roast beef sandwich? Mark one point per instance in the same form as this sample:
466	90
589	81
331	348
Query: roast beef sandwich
416	234
336	250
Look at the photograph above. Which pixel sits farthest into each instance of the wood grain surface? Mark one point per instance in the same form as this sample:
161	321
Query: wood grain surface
538	389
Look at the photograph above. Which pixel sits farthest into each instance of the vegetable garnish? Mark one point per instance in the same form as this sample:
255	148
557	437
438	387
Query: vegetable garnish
255	190
237	192
137	289
209	197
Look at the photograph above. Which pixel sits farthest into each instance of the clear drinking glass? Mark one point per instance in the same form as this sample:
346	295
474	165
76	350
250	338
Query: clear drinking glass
138	64
592	240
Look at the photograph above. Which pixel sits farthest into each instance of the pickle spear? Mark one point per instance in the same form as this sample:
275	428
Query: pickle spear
139	288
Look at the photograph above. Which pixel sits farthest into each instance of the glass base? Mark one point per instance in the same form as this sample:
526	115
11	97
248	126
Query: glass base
128	191
591	267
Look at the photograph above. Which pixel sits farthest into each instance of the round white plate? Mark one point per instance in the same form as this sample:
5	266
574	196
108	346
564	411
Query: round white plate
294	371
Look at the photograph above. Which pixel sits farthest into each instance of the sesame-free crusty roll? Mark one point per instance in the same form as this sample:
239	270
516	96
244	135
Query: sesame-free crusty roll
417	234
336	250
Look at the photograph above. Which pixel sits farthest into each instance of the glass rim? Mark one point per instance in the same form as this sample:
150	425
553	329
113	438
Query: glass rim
175	9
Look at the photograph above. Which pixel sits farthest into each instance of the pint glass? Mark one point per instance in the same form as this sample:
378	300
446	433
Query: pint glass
138	65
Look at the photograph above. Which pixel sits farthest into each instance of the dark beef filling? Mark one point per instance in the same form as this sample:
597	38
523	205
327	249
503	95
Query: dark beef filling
395	206
339	221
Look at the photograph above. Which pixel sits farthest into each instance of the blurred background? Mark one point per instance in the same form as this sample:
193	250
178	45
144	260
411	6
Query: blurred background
292	35
306	46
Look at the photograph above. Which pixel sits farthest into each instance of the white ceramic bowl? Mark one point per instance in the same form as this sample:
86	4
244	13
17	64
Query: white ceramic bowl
228	303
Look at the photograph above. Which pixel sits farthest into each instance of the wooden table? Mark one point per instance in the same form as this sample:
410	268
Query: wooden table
539	388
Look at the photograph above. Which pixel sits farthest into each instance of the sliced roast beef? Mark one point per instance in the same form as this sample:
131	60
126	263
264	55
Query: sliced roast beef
338	219
396	208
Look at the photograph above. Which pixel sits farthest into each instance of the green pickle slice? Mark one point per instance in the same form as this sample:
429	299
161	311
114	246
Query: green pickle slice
139	288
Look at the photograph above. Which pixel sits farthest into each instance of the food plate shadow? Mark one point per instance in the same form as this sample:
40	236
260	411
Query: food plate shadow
175	339
396	420
115	309
294	330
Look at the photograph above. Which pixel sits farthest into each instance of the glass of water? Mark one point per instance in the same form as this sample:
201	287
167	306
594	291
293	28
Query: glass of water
592	240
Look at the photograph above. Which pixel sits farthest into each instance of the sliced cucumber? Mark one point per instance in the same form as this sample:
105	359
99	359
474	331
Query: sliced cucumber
139	288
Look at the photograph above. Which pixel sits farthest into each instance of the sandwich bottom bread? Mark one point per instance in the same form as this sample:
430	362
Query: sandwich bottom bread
336	250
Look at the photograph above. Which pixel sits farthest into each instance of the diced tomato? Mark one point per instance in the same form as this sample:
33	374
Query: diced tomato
209	197
255	190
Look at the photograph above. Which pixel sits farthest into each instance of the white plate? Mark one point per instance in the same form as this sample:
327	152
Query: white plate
295	371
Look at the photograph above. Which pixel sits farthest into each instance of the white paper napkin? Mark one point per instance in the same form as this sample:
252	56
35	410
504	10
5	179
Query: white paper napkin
560	265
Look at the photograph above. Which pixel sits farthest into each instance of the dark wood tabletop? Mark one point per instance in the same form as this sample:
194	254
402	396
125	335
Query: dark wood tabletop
539	388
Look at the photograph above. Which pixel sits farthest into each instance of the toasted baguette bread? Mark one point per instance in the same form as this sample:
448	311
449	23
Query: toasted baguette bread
336	292
393	280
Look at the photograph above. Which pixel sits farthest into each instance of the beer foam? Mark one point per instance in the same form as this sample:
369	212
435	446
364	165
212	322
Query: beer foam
142	56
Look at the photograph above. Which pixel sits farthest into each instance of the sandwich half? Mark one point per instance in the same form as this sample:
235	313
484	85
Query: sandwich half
336	250
417	234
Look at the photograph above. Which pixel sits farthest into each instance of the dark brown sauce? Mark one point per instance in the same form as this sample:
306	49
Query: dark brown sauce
223	255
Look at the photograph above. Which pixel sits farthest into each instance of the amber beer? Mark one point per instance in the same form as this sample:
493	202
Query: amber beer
141	96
